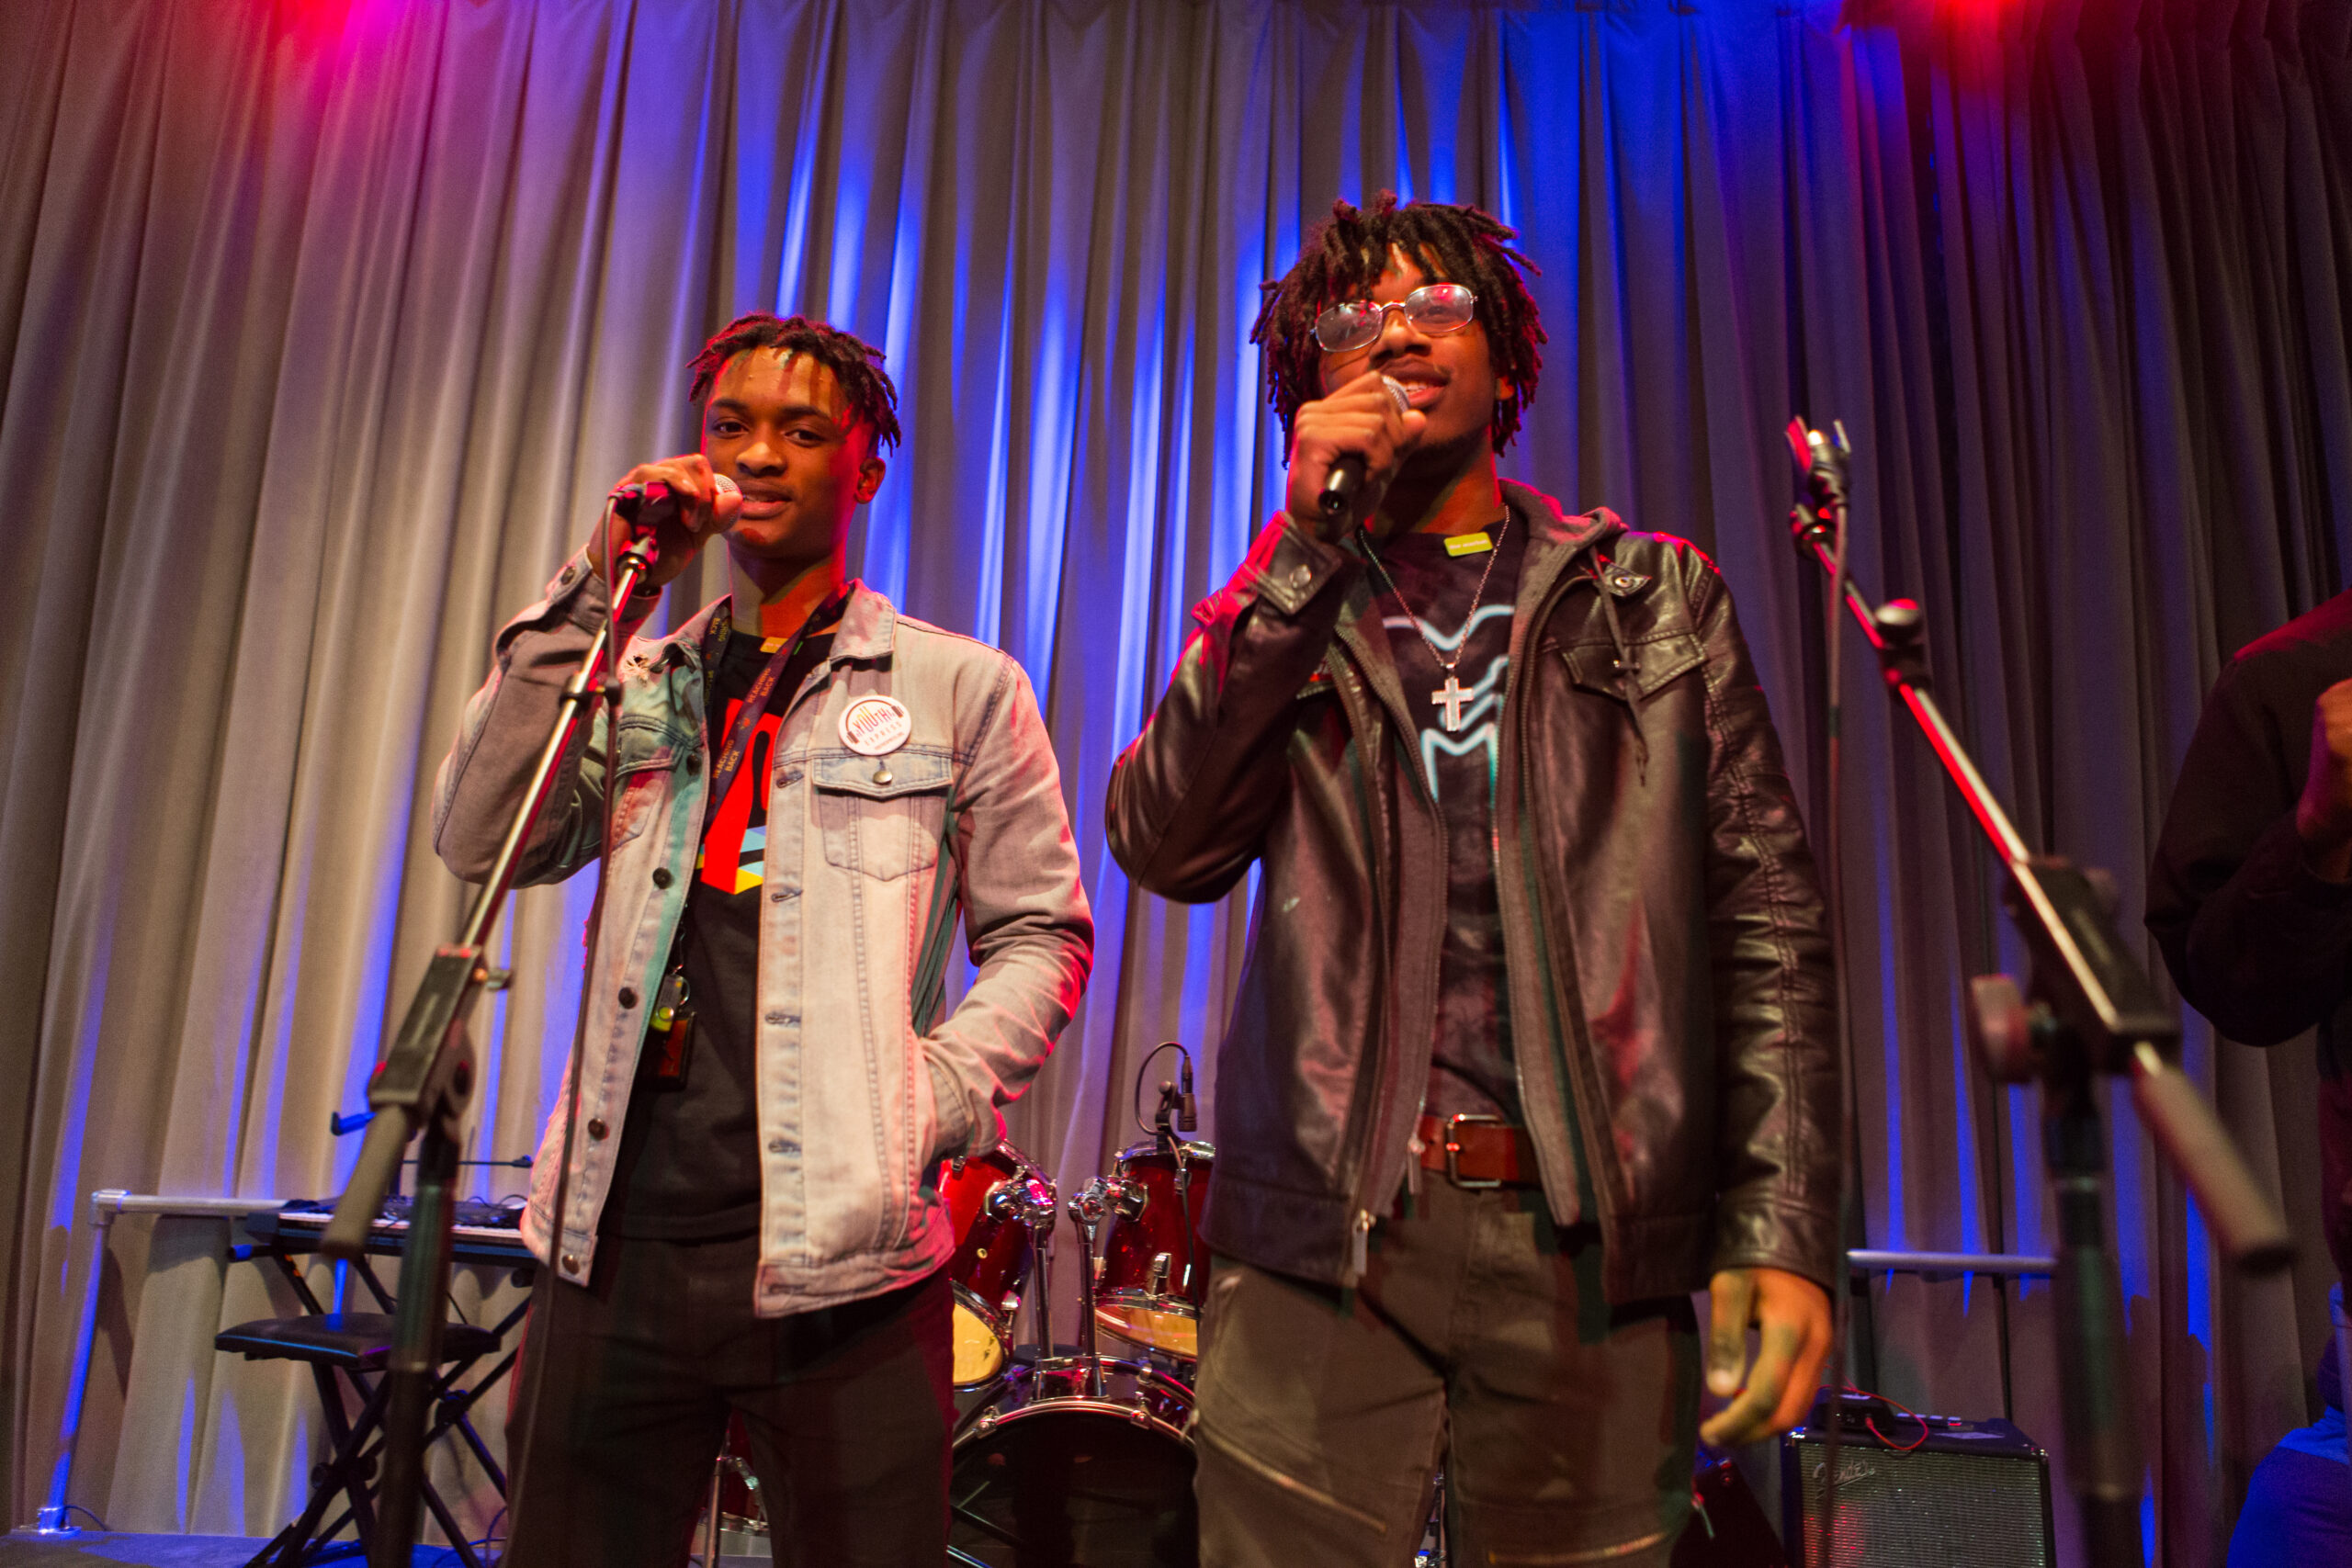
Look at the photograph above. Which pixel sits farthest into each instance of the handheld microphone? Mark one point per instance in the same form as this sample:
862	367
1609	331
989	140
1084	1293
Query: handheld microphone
1345	477
646	506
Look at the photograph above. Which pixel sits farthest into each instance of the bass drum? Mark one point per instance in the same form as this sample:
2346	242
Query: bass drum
1048	1475
992	1261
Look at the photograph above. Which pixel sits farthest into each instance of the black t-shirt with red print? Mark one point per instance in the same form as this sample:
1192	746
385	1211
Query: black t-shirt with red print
689	1162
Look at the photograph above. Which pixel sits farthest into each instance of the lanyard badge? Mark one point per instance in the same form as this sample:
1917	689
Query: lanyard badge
673	1027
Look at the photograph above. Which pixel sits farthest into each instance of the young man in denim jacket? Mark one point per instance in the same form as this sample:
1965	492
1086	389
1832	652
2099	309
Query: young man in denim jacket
808	786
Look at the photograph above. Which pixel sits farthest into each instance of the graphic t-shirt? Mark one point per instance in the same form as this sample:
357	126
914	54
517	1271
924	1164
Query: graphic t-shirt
1471	1069
689	1162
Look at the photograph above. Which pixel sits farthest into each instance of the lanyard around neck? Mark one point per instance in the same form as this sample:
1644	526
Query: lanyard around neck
756	702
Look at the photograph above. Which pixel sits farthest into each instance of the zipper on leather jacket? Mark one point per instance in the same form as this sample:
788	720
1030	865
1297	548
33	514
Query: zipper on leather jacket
1359	1248
1512	724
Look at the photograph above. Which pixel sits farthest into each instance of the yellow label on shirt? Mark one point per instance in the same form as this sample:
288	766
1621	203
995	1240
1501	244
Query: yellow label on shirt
1467	544
770	645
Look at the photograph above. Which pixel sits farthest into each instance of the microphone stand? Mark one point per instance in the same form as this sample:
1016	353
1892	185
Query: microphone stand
2092	1010
424	1085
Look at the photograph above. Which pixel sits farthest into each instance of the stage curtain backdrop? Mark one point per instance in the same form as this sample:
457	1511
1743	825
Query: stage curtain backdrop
326	324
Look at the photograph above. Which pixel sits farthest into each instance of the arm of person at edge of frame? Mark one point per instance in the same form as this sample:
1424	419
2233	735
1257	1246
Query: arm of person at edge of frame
1769	954
508	720
1192	795
2248	896
1027	924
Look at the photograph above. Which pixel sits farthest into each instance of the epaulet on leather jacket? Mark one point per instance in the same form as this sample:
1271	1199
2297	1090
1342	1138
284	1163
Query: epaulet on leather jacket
1669	963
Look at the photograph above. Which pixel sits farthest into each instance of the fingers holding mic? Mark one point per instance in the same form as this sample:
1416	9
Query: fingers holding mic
668	509
1345	448
1345	477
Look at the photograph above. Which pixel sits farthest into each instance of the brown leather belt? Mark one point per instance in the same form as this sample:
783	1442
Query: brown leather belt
1478	1151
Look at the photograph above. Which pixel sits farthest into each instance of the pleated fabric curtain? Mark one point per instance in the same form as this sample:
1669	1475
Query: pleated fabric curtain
326	324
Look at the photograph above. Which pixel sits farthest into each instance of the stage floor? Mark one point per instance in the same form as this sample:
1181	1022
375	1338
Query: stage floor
23	1549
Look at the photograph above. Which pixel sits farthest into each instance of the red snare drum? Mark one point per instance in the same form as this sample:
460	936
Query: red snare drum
1154	1273
992	1261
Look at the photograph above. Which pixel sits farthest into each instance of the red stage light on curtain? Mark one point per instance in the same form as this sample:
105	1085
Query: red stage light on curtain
314	19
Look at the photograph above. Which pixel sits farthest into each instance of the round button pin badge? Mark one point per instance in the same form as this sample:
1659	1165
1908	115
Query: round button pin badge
876	726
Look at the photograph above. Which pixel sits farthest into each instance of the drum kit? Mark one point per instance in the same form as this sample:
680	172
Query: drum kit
1070	1457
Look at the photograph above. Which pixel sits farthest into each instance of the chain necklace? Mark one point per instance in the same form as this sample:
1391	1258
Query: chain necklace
1450	697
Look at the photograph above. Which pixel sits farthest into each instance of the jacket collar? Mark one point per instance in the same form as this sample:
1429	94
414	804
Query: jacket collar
869	626
1555	538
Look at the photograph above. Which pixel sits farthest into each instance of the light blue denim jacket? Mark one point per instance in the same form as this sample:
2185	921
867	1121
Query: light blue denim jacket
857	1105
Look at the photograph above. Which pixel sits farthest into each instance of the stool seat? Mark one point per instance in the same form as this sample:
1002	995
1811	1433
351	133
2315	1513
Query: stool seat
351	1341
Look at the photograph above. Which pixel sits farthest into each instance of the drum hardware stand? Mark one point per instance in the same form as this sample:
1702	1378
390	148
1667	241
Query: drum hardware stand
1435	1557
1033	1202
1087	1208
2092	1010
710	1523
427	1078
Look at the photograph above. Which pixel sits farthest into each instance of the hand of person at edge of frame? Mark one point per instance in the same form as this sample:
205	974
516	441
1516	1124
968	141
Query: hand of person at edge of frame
1360	417
1791	1314
2324	815
703	509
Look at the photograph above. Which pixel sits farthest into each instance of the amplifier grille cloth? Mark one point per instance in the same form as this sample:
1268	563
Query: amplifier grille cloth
1926	1510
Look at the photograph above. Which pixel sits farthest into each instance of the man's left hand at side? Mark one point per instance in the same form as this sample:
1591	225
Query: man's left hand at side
1791	1314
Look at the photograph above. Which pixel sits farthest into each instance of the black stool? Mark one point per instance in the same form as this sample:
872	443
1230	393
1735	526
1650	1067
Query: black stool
357	1344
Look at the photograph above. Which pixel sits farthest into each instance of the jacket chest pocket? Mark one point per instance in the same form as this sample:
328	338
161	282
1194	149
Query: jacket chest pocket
881	816
648	754
1647	665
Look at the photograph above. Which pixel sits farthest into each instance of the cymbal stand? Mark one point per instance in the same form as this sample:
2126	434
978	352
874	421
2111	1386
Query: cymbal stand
2088	1008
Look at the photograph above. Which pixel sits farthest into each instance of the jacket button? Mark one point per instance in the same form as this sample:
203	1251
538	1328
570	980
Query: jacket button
694	762
661	877
596	1128
628	996
570	1263
1301	576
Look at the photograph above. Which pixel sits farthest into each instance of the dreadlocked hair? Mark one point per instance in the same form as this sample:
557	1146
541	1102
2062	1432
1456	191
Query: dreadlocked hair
855	364
1346	255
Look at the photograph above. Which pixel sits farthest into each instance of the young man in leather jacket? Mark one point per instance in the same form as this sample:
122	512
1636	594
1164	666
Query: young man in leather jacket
807	787
1534	1035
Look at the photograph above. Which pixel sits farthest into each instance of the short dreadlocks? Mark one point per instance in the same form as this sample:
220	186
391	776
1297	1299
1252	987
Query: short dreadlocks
1346	256
855	364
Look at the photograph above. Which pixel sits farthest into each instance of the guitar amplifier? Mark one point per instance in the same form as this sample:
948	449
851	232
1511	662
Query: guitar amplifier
1973	1492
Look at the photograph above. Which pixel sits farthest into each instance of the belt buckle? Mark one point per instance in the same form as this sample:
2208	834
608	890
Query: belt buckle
1453	1149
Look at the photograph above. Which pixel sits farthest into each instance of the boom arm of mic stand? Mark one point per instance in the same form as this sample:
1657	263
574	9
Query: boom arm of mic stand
2088	978
426	1079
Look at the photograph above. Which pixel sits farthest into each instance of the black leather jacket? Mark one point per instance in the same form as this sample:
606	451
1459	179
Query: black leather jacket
1670	971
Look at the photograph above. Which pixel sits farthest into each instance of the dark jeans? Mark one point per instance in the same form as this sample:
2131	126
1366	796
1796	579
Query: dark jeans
629	1386
1480	1336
